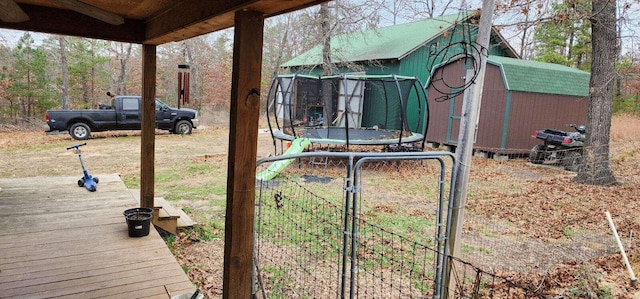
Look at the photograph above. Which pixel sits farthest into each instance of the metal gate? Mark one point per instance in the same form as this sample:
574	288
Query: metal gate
318	235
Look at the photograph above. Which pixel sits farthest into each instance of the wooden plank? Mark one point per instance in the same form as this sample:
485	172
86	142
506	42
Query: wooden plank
67	22
201	17
44	270
91	11
167	211
243	147
108	285
168	225
155	292
69	273
12	13
85	252
185	221
70	263
19	222
53	250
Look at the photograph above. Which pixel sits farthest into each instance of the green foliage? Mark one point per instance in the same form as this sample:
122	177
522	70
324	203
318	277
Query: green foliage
566	39
86	68
170	240
569	232
131	181
210	231
29	83
279	281
627	105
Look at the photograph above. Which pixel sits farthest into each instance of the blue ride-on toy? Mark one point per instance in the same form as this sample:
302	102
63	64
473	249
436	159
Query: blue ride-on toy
87	181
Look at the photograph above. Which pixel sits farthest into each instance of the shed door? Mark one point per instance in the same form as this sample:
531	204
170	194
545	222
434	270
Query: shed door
350	102
284	104
455	114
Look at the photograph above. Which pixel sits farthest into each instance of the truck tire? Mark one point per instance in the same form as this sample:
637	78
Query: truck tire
183	127
537	154
80	131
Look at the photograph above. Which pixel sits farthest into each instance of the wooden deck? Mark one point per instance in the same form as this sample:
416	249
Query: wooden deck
58	240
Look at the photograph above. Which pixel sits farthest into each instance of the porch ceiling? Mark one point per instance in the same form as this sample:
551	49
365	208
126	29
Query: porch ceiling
143	21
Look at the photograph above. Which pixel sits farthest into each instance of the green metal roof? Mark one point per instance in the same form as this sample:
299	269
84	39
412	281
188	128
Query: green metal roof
542	77
393	42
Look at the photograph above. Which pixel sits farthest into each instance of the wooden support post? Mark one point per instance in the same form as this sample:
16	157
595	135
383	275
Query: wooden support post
148	106
243	148
466	139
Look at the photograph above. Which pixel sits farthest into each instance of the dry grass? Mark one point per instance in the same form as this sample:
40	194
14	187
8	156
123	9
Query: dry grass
514	208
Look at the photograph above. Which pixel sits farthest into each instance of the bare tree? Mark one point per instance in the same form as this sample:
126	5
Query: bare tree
325	29
597	168
64	69
122	54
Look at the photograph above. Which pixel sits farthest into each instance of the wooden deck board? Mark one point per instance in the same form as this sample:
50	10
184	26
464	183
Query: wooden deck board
60	240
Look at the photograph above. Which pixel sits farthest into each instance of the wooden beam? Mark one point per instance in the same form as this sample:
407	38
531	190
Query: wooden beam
91	11
243	148
68	22
148	133
190	18
10	12
191	13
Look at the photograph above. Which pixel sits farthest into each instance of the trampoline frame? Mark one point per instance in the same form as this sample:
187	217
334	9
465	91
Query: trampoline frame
282	100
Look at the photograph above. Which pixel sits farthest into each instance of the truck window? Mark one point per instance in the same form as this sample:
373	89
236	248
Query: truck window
130	104
160	106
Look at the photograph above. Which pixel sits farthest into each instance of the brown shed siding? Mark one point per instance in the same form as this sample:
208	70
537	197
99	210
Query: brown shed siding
507	118
444	114
442	110
534	111
492	110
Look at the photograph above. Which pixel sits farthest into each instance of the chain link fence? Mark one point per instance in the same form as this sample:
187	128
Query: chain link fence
530	230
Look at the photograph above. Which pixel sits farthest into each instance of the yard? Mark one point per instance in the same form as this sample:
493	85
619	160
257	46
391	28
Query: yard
524	222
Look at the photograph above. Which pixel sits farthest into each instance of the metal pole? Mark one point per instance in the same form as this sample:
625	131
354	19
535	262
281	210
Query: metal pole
468	127
346	231
355	188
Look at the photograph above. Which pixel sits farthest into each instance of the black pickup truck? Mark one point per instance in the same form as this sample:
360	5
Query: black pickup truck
123	114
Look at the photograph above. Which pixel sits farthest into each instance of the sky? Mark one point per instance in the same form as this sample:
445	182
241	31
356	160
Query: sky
629	43
11	37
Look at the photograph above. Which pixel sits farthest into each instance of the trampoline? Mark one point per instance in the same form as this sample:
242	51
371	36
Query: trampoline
348	109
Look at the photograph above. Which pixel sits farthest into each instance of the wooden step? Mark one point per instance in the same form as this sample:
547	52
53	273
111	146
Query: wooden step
184	221
166	211
167	217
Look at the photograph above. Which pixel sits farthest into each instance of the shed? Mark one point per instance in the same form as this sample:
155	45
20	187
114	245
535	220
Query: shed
519	97
409	49
404	49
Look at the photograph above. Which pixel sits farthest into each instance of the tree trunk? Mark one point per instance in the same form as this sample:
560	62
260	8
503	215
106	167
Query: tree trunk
92	88
29	100
596	169
327	67
64	66
85	93
124	59
325	26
